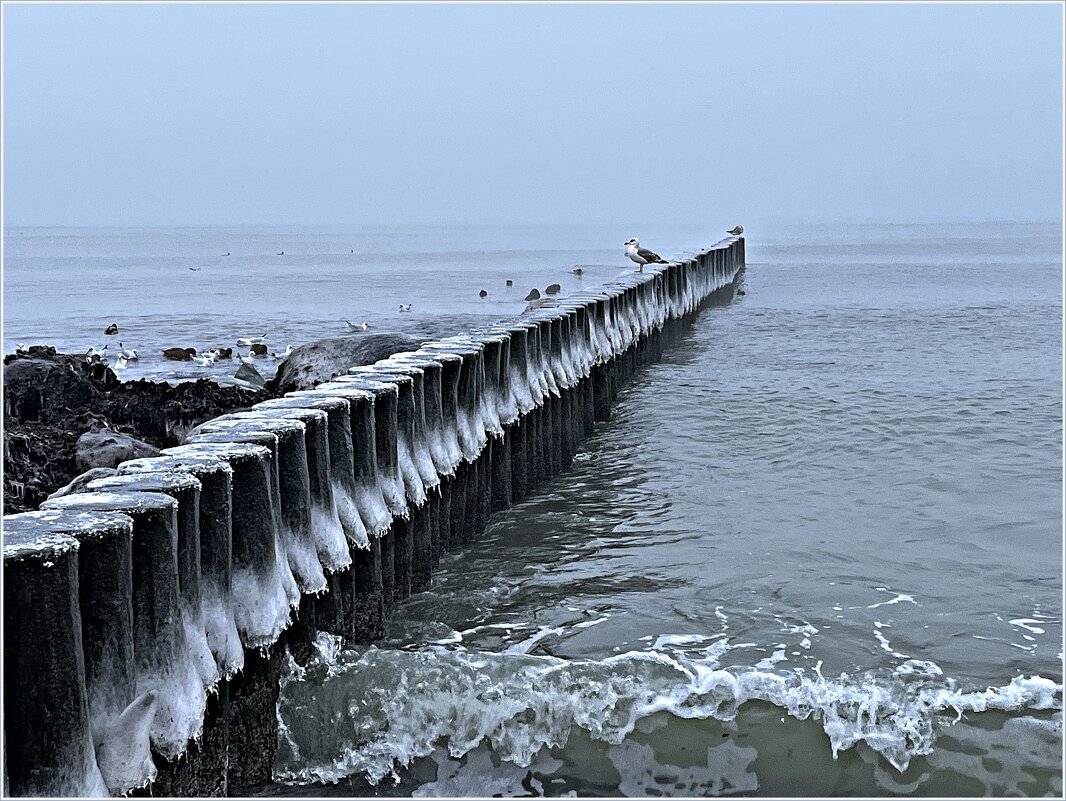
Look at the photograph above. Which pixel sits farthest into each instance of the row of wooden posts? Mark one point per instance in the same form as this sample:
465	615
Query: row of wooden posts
145	619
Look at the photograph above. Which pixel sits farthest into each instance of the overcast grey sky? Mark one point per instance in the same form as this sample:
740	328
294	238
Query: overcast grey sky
224	114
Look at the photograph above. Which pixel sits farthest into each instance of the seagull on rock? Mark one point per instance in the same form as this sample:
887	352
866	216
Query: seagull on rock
642	256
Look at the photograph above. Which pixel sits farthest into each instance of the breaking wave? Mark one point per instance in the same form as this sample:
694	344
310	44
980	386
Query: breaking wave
371	711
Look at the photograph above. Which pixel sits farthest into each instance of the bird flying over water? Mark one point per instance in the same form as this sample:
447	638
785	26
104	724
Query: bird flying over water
642	256
736	230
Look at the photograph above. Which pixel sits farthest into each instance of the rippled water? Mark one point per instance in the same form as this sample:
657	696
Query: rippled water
816	551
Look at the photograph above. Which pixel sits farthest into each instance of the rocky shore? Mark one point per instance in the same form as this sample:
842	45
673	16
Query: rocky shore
53	400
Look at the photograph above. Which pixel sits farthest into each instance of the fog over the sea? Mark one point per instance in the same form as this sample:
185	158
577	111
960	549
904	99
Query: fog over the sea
424	114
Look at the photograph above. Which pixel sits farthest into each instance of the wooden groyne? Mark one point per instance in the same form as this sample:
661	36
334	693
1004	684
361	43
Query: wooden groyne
146	620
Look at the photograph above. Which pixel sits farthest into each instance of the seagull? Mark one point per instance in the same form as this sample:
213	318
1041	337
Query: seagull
280	254
642	256
405	307
285	355
129	355
92	351
360	327
21	348
120	362
578	271
736	231
206	359
195	269
226	253
246	341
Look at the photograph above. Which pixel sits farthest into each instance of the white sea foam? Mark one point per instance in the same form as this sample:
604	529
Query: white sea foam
388	707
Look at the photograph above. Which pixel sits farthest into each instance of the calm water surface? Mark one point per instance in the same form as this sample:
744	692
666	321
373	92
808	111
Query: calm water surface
817	550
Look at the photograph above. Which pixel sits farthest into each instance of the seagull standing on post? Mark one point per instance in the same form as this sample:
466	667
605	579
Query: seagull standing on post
642	256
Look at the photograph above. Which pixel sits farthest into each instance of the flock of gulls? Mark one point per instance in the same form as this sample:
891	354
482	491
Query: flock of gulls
257	348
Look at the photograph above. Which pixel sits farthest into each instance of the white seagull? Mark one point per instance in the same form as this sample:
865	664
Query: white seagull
642	256
360	327
405	307
246	341
285	355
129	355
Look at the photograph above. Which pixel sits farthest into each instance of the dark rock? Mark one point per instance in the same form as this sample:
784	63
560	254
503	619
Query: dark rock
250	375
51	399
107	448
325	359
534	294
553	289
78	484
510	282
259	349
483	294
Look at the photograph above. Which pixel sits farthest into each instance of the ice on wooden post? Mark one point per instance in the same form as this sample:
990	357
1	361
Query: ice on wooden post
160	646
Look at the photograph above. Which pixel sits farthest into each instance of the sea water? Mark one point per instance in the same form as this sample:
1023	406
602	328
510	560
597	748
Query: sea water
817	550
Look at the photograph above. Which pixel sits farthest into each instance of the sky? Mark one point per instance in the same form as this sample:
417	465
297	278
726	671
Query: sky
214	114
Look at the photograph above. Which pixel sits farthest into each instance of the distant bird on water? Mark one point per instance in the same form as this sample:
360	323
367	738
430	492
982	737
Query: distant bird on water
280	254
736	231
285	355
179	354
195	269
642	256
246	341
111	330
405	307
226	253
360	327
129	355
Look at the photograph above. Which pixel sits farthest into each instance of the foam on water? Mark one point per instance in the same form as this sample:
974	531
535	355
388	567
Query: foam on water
396	706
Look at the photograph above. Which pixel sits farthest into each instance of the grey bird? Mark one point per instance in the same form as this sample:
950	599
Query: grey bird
642	256
736	231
